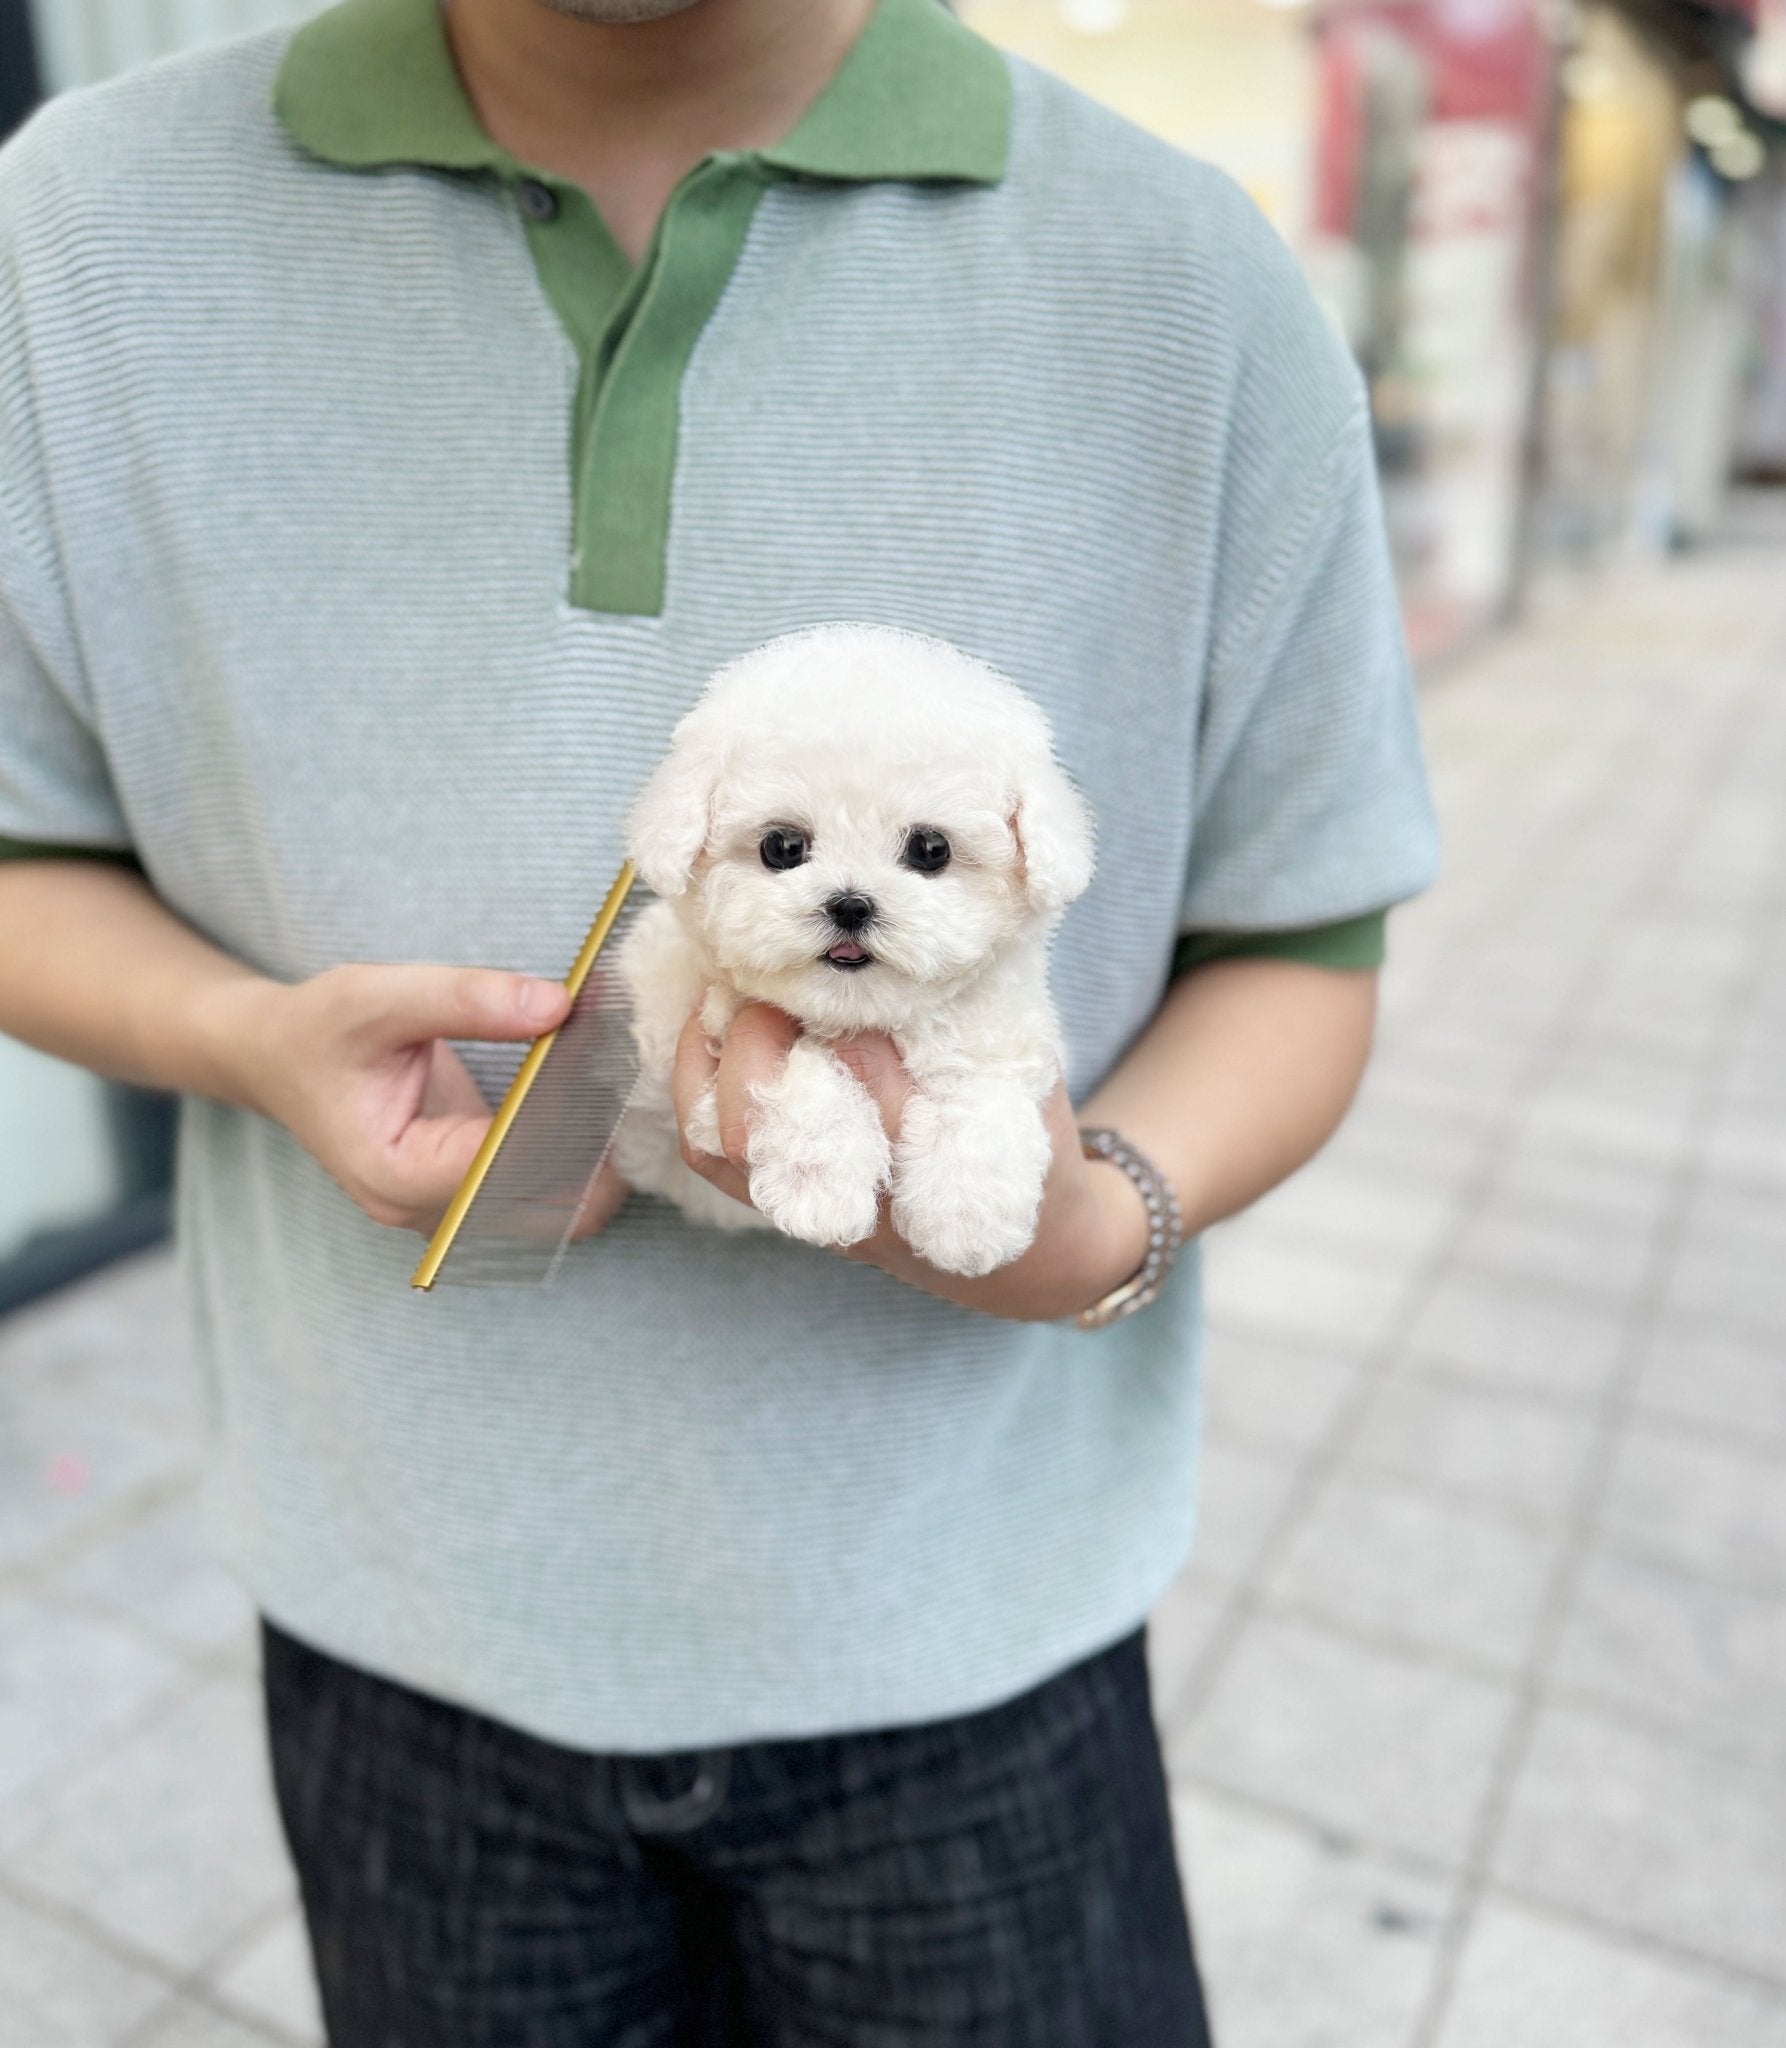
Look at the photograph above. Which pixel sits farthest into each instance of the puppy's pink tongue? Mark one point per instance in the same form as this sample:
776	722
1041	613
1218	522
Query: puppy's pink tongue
847	949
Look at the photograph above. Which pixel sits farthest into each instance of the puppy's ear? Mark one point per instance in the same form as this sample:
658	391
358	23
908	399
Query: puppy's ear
1053	829
670	822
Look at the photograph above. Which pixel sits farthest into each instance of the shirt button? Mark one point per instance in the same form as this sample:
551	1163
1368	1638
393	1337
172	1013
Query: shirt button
538	202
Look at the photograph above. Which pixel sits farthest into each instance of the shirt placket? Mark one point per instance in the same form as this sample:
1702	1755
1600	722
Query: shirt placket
634	331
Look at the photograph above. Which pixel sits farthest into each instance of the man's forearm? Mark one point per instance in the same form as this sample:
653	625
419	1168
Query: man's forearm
1242	1076
352	1061
96	969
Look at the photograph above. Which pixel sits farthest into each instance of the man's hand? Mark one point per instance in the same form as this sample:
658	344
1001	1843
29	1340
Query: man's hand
354	1063
95	968
1240	1078
1092	1230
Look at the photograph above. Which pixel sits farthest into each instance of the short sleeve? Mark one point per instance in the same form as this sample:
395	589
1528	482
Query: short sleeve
55	791
1311	799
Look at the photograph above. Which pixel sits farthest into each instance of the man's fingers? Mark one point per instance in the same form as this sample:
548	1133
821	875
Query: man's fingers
402	1005
417	1177
690	1077
874	1060
756	1049
450	1089
601	1202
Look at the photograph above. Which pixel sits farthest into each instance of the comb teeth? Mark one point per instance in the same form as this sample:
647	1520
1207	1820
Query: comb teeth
557	1127
516	1232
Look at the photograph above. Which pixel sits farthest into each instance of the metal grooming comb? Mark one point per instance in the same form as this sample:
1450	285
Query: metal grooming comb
510	1222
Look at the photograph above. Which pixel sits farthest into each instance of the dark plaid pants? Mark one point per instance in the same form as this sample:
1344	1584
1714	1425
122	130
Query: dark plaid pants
1005	1880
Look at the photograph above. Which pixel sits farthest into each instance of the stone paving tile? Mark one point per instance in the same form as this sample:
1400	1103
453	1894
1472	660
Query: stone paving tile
1439	1098
1754	1076
1388	1561
1480	1065
1664	1043
1478	1449
1370	1743
1407	1153
159	1573
66	1680
1746	1150
1180	1632
167	1839
60	1990
1642	1831
1681	1499
121	1348
185	2023
1744	1286
1610	1122
1304	1942
1729	1262
1272	1398
1700	958
1585	1248
1657	1640
1529	1981
1313	1292
1748	1229
70	1466
1731	1379
1532	1171
1240	1494
1335	1204
1499	996
272	1978
1640	984
1517	1334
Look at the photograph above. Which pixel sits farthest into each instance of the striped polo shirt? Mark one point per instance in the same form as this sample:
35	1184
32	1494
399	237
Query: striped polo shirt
366	523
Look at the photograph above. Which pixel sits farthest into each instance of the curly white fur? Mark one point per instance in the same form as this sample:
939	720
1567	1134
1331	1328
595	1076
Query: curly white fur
854	737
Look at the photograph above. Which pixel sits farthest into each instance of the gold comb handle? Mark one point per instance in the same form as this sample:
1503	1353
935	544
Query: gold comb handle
447	1230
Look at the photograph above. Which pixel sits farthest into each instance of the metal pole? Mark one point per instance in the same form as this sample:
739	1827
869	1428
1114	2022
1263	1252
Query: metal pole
20	84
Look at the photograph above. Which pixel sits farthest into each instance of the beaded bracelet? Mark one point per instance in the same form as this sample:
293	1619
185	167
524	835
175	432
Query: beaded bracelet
1165	1230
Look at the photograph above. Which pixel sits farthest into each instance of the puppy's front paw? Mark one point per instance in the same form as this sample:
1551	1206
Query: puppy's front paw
967	1179
819	1158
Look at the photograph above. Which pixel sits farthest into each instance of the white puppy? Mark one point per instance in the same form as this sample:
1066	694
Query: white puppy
867	829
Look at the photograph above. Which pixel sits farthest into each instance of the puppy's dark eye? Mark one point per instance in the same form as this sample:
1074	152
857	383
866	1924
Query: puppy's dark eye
784	846
926	850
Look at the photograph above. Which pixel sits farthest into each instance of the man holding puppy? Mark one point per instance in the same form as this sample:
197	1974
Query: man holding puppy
399	420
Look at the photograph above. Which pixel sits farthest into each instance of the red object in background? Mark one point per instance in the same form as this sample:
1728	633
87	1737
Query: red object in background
67	1472
1484	60
1434	120
1339	132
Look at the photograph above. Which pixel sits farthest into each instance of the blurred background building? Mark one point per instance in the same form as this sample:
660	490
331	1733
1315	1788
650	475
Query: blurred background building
1553	231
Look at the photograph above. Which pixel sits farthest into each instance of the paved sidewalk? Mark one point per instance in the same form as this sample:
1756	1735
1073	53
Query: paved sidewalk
1476	1695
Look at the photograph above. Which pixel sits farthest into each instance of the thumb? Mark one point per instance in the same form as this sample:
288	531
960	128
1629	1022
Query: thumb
408	1004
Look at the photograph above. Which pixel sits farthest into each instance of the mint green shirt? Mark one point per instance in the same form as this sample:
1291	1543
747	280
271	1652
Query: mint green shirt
365	527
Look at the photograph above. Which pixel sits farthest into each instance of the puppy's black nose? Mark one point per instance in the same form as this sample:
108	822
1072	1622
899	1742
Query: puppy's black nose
848	911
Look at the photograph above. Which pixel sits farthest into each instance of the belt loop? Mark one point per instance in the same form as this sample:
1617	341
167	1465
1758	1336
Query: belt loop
651	1815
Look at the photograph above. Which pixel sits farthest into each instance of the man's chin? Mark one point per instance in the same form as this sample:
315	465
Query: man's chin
618	13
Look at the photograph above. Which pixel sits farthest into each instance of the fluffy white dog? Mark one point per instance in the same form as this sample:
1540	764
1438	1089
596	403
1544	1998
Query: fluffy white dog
867	829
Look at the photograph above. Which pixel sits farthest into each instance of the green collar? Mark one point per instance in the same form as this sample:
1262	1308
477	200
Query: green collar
918	97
